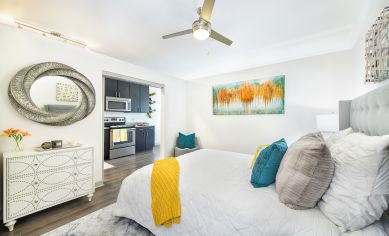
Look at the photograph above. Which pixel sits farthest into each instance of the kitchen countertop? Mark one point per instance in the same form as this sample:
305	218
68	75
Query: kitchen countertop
142	126
130	126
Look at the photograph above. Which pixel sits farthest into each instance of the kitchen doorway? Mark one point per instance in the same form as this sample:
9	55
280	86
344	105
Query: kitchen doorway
133	125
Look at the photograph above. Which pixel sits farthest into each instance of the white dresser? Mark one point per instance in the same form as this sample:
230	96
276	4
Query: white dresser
34	181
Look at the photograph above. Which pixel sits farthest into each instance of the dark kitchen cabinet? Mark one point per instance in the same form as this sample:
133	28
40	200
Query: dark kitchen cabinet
117	88
140	139
135	97
144	99
150	138
111	87
123	89
145	137
138	93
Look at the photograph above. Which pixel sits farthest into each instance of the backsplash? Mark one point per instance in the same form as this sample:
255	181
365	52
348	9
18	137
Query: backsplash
130	117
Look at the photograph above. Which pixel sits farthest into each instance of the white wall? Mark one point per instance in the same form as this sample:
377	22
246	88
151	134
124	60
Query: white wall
19	48
313	86
142	117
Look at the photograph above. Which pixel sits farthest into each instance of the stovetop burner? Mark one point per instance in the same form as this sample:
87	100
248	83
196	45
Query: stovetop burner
121	126
115	122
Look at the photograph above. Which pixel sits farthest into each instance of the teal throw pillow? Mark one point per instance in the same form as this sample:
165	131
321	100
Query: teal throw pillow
266	166
186	141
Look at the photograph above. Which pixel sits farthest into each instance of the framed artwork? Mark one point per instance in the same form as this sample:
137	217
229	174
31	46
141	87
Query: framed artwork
377	49
261	96
67	92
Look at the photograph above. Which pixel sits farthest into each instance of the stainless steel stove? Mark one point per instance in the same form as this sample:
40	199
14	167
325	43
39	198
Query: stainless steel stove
119	138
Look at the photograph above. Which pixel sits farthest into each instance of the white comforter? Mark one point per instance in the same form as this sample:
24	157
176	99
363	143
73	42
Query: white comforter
218	199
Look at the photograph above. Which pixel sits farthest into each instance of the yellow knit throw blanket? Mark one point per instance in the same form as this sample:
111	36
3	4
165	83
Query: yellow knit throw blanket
165	197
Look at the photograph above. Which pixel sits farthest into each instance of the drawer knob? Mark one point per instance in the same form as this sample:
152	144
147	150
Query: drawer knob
36	183
35	164
36	201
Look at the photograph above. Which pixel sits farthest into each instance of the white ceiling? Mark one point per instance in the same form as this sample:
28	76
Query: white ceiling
263	31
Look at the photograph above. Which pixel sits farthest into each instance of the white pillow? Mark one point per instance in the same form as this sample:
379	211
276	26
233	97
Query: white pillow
331	140
376	229
356	196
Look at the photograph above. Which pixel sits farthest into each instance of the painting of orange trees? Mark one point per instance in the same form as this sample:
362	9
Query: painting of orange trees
266	96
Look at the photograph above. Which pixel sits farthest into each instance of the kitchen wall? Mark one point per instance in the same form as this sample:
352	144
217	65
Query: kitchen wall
142	117
313	86
20	48
156	116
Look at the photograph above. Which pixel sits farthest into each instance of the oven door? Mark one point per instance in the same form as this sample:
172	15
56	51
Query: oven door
117	104
122	137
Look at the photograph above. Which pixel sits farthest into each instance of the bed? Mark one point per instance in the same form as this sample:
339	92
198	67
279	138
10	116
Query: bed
218	199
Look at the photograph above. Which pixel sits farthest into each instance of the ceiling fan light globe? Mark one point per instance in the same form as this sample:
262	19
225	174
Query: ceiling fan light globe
201	34
201	29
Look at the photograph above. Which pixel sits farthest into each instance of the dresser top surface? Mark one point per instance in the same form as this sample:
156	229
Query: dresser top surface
31	151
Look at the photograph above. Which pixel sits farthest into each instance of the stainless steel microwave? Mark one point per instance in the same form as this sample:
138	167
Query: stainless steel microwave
117	104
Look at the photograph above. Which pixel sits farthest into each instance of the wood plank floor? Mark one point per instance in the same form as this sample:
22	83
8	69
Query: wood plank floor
49	219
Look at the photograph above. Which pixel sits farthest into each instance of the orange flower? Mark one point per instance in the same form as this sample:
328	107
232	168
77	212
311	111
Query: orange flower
7	131
13	132
16	134
25	133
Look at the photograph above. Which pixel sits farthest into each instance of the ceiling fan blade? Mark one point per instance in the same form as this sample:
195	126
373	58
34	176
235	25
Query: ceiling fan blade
206	10
215	35
184	32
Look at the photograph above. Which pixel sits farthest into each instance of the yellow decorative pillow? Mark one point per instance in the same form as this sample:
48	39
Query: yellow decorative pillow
259	149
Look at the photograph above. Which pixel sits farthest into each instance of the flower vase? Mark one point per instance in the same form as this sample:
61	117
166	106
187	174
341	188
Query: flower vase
18	147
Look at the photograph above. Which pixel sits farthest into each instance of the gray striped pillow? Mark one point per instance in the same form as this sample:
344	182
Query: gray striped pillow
305	172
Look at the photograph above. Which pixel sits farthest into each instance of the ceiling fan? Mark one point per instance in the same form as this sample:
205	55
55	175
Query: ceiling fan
201	28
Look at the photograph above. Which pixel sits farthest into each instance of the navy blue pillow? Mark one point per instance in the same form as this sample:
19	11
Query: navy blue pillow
266	166
186	141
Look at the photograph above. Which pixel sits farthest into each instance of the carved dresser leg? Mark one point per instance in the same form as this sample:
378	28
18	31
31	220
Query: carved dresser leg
10	225
90	197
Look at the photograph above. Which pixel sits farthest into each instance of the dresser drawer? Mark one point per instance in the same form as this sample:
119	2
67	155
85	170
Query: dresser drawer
28	184
30	165
84	156
27	204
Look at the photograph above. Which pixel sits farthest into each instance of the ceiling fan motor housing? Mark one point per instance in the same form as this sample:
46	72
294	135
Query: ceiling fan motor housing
201	24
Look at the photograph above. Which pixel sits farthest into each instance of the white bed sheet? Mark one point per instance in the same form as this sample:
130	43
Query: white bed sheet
218	199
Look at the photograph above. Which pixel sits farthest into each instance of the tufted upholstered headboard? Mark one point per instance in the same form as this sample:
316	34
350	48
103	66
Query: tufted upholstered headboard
368	114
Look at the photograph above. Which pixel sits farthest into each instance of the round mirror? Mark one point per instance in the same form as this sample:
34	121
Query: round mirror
61	95
52	93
